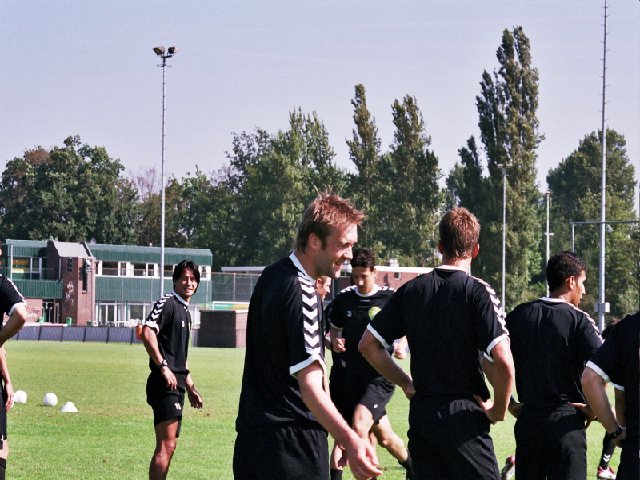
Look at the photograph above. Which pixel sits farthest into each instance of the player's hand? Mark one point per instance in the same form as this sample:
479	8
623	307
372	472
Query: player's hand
490	410
169	377
194	396
8	392
399	353
515	408
618	441
362	460
408	389
586	410
338	345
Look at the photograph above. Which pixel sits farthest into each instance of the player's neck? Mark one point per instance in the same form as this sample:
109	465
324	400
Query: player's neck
462	263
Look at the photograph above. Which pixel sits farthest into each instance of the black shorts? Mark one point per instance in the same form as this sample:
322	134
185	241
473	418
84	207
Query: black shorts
287	453
551	442
339	393
374	396
449	438
166	404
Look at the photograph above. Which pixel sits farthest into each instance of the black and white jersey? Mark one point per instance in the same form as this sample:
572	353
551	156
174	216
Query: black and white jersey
618	362
10	297
551	340
171	320
349	311
450	319
284	335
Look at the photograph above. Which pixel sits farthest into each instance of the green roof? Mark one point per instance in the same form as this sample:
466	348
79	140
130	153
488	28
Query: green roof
26	248
132	253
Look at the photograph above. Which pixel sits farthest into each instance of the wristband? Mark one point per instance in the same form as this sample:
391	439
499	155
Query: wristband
616	433
163	363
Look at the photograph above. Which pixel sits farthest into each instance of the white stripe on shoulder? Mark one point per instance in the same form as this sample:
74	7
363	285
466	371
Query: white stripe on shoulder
591	321
497	308
382	341
598	370
16	288
293	370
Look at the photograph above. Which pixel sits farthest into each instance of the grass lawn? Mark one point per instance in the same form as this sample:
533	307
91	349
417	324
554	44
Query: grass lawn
112	435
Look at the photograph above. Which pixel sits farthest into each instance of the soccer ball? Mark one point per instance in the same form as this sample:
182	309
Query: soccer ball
50	399
20	397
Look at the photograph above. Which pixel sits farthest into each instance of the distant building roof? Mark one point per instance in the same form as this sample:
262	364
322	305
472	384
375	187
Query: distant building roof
134	253
71	250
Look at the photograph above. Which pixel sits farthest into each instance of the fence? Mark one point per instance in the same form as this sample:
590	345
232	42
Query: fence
233	287
61	333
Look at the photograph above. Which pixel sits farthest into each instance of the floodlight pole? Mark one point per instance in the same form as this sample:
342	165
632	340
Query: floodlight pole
160	51
548	233
602	307
504	166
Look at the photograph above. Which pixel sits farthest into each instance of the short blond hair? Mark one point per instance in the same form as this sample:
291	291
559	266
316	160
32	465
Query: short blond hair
327	211
459	232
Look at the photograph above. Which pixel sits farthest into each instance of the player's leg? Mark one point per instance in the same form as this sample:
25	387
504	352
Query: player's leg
4	453
568	429
393	444
605	472
530	445
166	440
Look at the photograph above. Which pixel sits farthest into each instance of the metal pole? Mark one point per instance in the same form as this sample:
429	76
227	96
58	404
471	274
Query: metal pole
504	234
602	306
548	194
163	203
573	237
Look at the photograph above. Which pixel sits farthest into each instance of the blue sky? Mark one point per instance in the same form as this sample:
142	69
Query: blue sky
87	68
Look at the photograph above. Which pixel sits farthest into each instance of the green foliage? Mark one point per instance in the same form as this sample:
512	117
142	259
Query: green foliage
72	193
576	187
509	132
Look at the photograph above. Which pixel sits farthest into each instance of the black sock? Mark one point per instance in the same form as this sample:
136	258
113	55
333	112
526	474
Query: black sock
607	451
3	468
408	466
335	474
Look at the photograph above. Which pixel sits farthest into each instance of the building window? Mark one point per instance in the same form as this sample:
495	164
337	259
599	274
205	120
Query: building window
140	270
109	269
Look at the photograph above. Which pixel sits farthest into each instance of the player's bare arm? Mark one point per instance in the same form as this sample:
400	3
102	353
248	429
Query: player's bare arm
6	377
593	387
195	399
361	456
379	358
16	321
150	342
500	374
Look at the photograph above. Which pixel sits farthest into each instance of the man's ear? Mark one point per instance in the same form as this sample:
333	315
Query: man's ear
314	242
475	251
441	247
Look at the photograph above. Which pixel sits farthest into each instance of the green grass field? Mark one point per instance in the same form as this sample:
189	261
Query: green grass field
112	435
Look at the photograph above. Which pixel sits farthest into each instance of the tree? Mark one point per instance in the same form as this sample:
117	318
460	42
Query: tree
576	187
364	151
273	178
73	193
410	199
509	133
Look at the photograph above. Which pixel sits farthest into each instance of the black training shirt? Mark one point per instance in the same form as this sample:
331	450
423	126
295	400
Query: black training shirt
284	335
450	319
350	312
9	296
618	361
551	340
171	320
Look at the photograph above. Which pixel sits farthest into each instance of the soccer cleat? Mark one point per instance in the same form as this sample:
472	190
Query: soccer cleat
606	473
509	469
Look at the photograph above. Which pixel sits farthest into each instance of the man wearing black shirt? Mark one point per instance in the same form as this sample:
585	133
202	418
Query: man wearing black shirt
618	361
165	335
12	303
367	390
551	340
454	326
284	408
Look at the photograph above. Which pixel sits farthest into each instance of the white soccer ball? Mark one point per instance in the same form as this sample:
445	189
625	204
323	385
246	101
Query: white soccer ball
69	407
50	399
20	397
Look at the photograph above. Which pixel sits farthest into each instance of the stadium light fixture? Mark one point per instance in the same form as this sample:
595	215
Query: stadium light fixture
164	55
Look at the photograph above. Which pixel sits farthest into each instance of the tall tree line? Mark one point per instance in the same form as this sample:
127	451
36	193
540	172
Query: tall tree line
246	212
